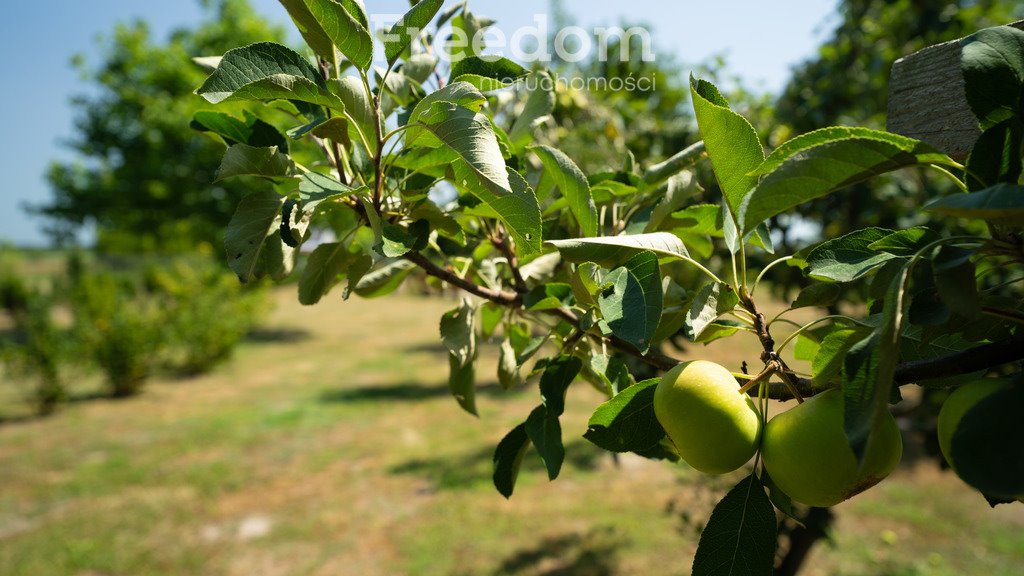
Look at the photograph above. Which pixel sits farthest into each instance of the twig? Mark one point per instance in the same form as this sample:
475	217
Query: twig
497	296
503	243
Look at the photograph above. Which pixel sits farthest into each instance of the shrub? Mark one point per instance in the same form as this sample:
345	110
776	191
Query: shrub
207	313
37	350
119	329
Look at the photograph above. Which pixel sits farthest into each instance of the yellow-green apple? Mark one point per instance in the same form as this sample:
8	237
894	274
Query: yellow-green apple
806	452
715	428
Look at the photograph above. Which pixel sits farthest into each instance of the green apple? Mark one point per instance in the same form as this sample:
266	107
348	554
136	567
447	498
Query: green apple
714	427
956	406
807	455
959	402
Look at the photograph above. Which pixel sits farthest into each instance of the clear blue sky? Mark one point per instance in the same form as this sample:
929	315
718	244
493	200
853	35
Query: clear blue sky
760	39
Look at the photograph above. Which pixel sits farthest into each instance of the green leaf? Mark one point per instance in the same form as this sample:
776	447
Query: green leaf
712	301
611	251
681	187
545	432
955	280
573	185
245	160
345	24
849	257
358	108
829	135
315	189
311	30
419	67
905	242
542	268
632	304
548	297
828	361
253	242
357	268
779	499
806	347
251	131
294	224
487	73
385	279
717	330
1000	204
457	332
462	94
992	62
398	241
870	367
461	382
626	422
996	156
987	445
401	34
523	342
816	295
472	137
828	160
508	367
267	71
740	535
324	266
662	171
336	130
731	143
704	219
539	106
507	458
611	371
558	375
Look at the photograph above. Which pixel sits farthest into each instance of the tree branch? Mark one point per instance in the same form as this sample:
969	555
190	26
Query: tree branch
976	359
515	300
504	245
496	296
959	363
914	372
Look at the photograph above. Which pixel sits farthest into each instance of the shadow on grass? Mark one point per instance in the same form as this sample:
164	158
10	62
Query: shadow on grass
474	469
404	391
427	348
32	415
592	553
277	335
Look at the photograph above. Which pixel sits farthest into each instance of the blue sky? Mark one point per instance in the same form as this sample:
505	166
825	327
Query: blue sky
760	40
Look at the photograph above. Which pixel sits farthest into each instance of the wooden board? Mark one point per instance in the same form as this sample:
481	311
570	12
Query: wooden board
927	101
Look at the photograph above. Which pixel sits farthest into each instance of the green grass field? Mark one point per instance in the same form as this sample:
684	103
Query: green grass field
330	446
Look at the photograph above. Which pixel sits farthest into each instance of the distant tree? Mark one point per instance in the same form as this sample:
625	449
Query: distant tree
140	175
846	81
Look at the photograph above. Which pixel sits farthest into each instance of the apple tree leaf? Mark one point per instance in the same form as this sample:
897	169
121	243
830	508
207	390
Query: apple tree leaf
632	302
740	535
573	185
508	456
626	422
545	432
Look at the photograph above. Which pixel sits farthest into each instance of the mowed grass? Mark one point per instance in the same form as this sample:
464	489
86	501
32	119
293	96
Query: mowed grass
330	446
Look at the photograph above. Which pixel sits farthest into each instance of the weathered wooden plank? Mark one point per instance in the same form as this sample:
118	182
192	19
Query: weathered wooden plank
927	100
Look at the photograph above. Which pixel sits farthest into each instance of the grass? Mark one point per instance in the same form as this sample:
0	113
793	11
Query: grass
330	446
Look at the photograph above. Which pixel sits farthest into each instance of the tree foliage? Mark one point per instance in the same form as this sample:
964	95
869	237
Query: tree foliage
139	175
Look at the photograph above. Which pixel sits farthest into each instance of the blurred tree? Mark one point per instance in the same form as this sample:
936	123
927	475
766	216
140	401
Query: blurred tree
141	175
846	83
